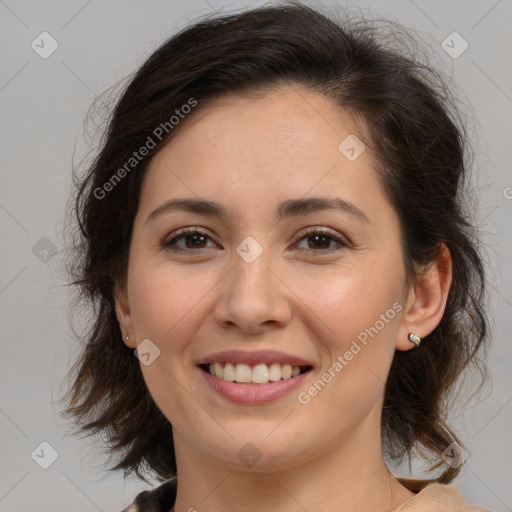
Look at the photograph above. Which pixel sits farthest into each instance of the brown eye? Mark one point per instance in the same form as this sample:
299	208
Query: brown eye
192	239
320	240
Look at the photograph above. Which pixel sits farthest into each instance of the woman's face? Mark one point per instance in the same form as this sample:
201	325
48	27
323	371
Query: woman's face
266	284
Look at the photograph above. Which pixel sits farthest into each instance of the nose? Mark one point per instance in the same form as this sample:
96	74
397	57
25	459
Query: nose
253	297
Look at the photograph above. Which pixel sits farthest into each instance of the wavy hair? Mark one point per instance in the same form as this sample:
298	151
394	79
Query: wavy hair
421	146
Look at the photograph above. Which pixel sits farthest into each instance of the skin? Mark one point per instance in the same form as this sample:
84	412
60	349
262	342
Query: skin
250	154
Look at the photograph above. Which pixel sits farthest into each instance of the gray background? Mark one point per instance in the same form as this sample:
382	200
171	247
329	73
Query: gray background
43	105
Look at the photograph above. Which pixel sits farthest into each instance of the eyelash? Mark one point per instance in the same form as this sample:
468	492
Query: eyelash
189	232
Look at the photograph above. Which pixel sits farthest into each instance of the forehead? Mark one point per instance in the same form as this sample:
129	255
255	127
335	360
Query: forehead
286	136
290	123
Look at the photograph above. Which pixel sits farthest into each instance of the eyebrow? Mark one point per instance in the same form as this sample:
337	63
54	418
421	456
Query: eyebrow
290	208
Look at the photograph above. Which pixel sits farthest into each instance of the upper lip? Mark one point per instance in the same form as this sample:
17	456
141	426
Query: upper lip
254	358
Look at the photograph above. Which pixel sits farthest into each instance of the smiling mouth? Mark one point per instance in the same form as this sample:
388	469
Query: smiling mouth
258	374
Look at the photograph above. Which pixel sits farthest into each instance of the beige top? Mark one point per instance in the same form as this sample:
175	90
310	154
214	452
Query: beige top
434	497
430	497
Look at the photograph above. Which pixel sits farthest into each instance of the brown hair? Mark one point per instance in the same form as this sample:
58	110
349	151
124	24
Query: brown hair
419	142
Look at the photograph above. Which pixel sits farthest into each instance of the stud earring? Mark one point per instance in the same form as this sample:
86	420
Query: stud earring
127	338
414	339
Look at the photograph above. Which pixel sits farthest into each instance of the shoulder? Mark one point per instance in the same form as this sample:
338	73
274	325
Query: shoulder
432	497
159	499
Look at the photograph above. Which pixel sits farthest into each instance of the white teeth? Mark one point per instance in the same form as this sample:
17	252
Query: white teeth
259	374
229	372
242	372
274	372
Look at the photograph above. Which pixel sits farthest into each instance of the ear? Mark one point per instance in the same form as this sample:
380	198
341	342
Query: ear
426	300
124	316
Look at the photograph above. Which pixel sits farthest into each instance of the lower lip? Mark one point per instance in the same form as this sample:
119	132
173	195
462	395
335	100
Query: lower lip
253	394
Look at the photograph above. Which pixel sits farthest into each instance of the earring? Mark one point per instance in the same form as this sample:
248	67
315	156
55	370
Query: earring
127	338
414	339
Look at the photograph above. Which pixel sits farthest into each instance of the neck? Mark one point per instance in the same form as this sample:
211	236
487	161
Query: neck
349	477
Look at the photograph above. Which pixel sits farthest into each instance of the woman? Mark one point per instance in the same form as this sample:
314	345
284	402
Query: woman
275	227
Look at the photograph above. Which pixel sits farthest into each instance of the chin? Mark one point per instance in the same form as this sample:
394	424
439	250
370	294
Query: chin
254	450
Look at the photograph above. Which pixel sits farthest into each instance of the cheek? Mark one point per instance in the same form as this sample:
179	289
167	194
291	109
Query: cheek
360	316
167	306
359	311
167	303
350	300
